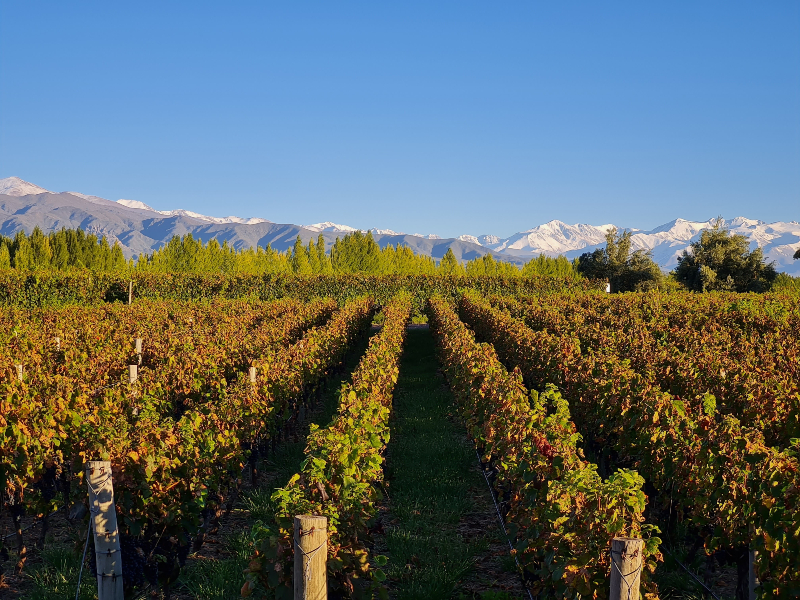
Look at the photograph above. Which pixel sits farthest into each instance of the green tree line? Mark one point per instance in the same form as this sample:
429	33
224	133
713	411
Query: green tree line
62	250
356	252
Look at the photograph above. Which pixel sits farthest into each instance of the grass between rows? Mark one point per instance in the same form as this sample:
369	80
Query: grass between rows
438	527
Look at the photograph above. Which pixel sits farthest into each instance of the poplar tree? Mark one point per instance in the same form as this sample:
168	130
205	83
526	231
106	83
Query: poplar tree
449	265
300	264
5	256
23	255
313	256
40	249
322	258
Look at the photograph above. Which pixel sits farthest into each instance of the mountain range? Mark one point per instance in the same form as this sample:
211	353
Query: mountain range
140	228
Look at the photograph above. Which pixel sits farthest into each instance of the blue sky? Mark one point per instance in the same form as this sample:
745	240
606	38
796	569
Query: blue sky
443	117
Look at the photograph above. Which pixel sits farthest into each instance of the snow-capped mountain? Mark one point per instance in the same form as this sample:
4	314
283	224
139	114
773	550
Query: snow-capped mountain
667	242
187	213
14	186
336	228
331	227
141	228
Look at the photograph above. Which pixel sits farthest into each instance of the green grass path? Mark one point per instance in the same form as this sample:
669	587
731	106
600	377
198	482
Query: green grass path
440	533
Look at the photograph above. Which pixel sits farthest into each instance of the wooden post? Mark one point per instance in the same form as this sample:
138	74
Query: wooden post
133	373
20	371
139	349
310	557
58	344
626	568
130	292
104	524
252	374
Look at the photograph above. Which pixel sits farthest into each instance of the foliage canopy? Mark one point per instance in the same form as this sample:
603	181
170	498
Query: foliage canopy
722	261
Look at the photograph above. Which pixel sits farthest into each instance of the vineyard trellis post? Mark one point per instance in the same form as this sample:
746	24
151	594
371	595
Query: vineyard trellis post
139	349
130	292
252	374
753	583
626	568
20	371
103	516
310	557
133	373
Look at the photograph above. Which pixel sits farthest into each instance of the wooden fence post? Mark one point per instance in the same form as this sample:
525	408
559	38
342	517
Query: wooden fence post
103	515
252	374
20	371
626	568
310	557
133	373
130	292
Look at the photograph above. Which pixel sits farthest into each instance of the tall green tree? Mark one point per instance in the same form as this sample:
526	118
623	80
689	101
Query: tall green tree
322	258
797	254
22	258
313	256
449	265
626	271
559	266
356	253
40	249
721	261
5	256
300	264
58	244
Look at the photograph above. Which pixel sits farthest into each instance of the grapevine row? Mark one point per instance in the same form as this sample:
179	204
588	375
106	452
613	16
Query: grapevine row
170	472
561	512
735	489
749	360
342	471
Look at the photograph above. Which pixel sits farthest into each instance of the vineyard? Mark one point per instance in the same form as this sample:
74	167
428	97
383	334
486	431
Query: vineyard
670	418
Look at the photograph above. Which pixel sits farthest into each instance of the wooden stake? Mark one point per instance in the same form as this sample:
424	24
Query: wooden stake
139	349
20	372
252	374
58	344
310	557
130	292
626	568
104	524
133	373
22	551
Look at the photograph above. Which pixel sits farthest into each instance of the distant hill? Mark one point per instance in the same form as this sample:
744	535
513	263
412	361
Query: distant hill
140	228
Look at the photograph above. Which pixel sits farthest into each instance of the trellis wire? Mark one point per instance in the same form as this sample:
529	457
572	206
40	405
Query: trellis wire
502	525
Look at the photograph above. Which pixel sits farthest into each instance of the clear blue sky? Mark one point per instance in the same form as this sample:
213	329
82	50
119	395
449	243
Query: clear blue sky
444	117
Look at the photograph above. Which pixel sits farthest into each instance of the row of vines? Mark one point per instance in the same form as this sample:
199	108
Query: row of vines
714	444
179	435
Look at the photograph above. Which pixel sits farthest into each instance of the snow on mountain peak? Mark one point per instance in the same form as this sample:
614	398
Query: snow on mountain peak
330	226
136	204
14	186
